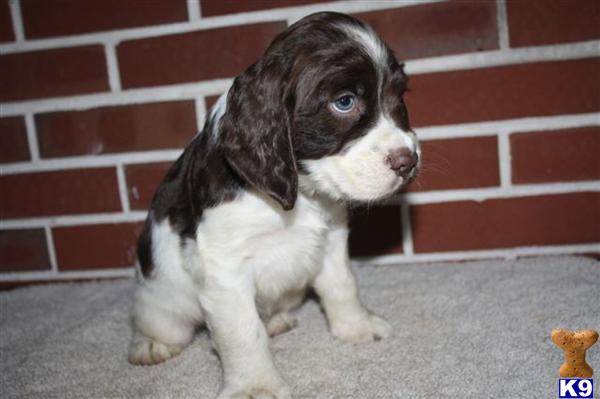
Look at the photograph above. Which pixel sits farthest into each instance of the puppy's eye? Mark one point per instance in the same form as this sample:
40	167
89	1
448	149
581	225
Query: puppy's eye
344	104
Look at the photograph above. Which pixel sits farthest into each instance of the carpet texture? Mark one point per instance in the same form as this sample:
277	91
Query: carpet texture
471	330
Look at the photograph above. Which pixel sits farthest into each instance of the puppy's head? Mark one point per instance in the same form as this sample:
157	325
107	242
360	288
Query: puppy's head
323	109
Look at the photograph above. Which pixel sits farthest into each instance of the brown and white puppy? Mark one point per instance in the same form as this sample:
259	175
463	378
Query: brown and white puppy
254	211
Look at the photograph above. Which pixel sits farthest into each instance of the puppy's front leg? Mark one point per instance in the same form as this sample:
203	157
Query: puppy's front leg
240	337
348	319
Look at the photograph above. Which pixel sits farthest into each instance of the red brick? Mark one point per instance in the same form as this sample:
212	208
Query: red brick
437	29
142	182
553	156
6	26
508	222
13	140
375	231
51	73
532	23
116	129
59	193
513	91
211	8
96	246
23	250
194	56
43	18
458	163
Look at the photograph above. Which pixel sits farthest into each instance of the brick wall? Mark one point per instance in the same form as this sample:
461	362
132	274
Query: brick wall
98	97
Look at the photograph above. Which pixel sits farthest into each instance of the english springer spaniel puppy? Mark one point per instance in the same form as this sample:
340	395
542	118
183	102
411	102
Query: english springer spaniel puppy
255	210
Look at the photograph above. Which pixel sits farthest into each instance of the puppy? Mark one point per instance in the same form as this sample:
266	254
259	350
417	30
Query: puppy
254	211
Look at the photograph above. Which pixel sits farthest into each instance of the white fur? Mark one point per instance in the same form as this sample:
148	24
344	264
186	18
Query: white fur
252	264
370	42
360	172
166	310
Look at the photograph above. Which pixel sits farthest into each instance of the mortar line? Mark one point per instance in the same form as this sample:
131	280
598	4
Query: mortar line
51	248
112	66
32	139
407	237
502	23
123	191
17	21
193	10
504	157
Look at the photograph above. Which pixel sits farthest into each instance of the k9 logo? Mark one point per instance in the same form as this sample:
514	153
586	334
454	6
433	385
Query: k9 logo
575	388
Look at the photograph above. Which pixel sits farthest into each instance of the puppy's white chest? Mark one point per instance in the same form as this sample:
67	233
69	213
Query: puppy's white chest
252	236
290	253
287	259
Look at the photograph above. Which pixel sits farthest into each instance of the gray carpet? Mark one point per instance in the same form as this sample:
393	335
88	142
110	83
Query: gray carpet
471	330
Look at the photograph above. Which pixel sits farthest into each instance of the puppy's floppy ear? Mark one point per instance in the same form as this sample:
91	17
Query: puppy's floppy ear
256	134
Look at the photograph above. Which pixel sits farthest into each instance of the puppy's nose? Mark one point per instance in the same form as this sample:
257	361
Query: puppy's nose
402	161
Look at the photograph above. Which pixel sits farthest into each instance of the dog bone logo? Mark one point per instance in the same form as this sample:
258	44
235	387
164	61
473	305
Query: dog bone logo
574	344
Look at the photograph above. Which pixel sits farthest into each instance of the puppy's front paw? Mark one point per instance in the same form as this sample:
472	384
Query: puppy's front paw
256	392
364	329
147	352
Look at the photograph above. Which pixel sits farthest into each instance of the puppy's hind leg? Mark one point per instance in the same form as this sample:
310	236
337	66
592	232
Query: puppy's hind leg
282	320
166	309
281	323
164	322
